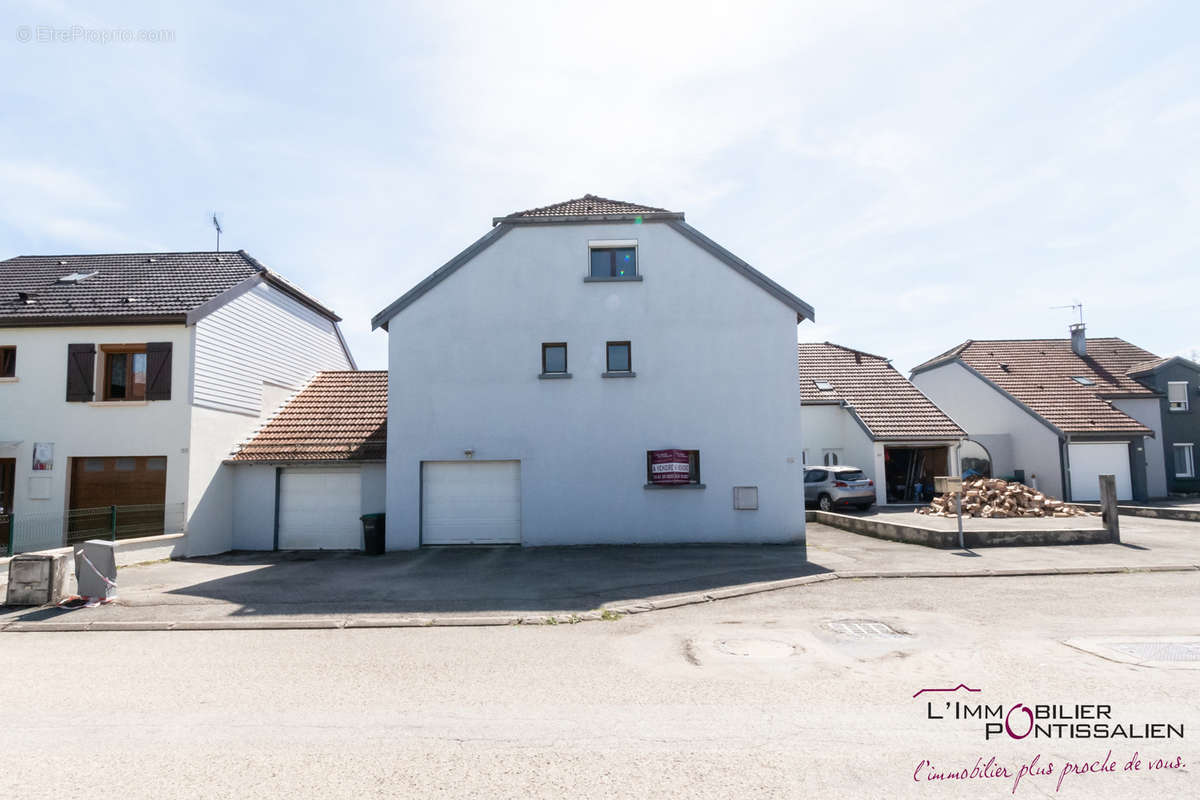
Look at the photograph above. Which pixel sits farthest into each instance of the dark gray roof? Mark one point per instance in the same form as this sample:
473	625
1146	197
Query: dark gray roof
127	287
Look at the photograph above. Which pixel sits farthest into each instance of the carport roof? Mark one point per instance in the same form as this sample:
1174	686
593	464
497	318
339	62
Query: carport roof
338	416
889	407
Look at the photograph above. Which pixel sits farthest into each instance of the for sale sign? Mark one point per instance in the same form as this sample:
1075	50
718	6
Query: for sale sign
669	466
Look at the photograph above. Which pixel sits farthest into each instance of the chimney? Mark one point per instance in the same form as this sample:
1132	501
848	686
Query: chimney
1079	339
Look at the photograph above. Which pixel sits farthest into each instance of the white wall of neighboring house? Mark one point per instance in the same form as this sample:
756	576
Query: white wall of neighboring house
253	500
715	358
1148	411
982	411
251	354
35	409
831	427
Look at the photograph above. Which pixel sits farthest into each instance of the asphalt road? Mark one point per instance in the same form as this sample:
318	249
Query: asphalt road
754	697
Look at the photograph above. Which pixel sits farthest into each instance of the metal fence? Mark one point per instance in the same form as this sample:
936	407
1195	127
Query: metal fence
29	532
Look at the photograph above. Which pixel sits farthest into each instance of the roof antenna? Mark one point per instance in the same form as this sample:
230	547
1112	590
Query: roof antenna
1076	306
217	225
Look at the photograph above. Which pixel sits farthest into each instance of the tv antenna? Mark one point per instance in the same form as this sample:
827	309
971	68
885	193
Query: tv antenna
217	224
1076	306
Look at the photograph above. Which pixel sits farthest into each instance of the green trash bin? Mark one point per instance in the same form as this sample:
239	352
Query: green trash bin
374	535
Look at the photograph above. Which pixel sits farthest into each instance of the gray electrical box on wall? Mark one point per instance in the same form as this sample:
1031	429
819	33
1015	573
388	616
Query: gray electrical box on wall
745	498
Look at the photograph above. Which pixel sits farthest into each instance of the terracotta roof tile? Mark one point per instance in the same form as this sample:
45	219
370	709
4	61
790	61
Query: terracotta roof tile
588	205
891	407
338	416
1040	373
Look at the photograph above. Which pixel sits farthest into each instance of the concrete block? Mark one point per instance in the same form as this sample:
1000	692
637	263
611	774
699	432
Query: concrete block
36	579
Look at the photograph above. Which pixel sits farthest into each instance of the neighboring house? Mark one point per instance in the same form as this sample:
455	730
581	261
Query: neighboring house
308	475
130	377
1177	381
857	410
1055	412
593	371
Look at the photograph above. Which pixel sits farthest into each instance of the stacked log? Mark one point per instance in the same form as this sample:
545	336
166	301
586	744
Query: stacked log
995	498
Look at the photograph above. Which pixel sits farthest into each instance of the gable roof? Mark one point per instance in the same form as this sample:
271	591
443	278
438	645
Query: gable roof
1038	373
886	404
1153	365
129	287
601	210
590	207
338	416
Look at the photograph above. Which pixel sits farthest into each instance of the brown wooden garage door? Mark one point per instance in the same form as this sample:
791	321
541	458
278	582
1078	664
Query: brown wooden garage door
136	485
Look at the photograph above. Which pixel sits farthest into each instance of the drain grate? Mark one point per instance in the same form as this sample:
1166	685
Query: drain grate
1160	651
865	629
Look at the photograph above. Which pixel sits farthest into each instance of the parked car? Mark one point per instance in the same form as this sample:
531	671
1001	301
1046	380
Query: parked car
830	487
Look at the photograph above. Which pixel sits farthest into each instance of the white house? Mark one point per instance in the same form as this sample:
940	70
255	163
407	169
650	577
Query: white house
1055	413
593	371
859	411
130	377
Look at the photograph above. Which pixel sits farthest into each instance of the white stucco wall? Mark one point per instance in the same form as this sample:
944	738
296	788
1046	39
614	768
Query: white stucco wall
716	371
252	492
34	409
253	506
214	434
982	411
829	427
1148	411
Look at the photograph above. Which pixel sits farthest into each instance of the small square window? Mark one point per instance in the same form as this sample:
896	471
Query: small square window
619	359
8	362
614	262
554	358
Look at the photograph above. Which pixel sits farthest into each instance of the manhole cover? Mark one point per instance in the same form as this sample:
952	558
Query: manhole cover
755	648
1160	651
865	629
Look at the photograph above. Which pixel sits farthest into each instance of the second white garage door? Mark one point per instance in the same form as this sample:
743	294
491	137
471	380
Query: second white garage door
1091	460
320	509
471	502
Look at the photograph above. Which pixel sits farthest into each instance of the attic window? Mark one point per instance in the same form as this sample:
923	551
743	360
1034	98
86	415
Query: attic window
824	386
78	277
1083	381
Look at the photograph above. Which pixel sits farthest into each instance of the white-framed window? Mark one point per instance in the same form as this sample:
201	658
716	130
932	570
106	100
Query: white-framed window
831	458
1177	395
1185	461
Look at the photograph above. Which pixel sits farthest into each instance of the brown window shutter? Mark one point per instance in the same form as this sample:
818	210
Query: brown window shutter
81	372
158	370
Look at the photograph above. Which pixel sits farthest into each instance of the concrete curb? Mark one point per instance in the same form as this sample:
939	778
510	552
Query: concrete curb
548	619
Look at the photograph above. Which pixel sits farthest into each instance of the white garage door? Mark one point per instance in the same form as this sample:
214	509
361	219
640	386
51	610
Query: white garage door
1091	460
319	509
471	502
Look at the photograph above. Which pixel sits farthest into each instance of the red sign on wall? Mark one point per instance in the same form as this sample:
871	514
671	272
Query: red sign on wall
669	466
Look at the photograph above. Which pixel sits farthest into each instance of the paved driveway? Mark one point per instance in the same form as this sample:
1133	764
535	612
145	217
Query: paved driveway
507	581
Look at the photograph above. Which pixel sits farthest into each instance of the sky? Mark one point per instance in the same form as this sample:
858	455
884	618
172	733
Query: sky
921	173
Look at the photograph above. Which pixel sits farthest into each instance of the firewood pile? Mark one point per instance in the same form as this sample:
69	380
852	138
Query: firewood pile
992	497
